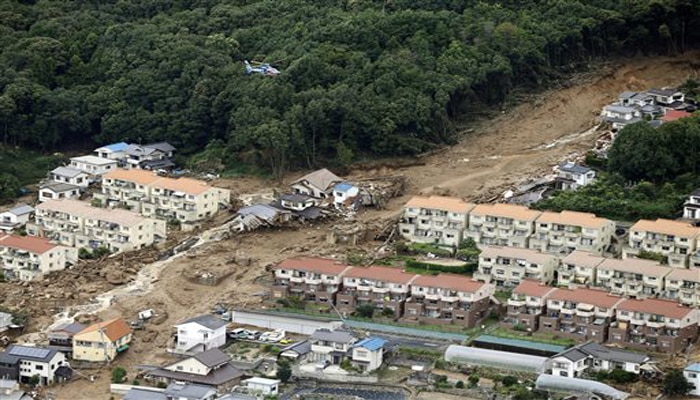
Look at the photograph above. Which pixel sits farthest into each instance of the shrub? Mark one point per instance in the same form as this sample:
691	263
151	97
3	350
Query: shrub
135	382
426	248
388	312
118	374
509	380
459	385
675	384
473	380
284	372
345	364
420	265
365	311
622	376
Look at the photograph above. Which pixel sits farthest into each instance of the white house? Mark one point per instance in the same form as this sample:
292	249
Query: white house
58	191
691	208
114	151
94	166
24	362
368	354
666	97
15	217
620	116
330	347
342	192
592	357
297	201
263	386
72	176
199	334
571	176
212	367
692	375
318	184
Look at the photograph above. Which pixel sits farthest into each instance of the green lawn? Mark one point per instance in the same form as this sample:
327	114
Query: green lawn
536	337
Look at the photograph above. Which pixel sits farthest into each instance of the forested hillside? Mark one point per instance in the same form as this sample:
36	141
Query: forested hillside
358	77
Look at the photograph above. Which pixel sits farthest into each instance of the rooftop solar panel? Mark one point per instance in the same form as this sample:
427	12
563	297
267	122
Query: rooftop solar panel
29	352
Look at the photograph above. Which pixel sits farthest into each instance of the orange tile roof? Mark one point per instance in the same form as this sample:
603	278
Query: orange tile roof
140	176
323	266
518	253
28	243
451	204
636	266
114	329
666	227
672	115
595	297
506	210
583	259
532	288
185	185
574	218
383	274
667	308
448	281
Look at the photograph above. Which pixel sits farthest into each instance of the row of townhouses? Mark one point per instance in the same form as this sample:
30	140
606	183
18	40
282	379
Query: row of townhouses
440	299
592	314
26	258
447	221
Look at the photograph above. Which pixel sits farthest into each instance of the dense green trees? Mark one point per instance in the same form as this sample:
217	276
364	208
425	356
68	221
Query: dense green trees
359	77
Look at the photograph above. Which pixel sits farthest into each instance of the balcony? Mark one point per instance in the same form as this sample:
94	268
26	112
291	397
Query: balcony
516	302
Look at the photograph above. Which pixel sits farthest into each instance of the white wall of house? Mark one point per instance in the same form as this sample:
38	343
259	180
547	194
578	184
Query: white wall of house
195	337
693	377
49	194
93	165
45	370
339	197
562	366
190	366
370	360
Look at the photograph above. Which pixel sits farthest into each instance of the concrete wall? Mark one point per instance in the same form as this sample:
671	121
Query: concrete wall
290	323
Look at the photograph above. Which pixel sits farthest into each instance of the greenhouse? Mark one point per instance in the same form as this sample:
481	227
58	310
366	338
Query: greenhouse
495	359
563	384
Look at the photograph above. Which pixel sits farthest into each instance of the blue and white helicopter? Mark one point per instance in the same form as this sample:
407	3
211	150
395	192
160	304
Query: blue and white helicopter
260	68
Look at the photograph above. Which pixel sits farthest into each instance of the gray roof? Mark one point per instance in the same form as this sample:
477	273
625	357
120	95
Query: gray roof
212	357
15	353
70	327
143	394
573	354
695	192
620	109
165	147
641	96
189	391
626	94
322	179
263	211
67	171
606	353
296	197
136	150
662	92
219	376
300	348
336	336
22	209
59	187
574	168
208	321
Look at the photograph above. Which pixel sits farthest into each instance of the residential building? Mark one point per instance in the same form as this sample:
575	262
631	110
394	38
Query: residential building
15	217
566	231
691	208
502	224
71	176
102	342
212	367
315	280
692	375
448	299
137	155
621	116
318	184
674	239
174	391
578	267
199	334
344	194
654	325
58	191
507	266
571	176
382	287
183	199
526	304
368	354
331	347
297	201
635	99
92	165
259	215
296	351
632	277
666	97
435	219
21	363
10	390
580	314
591	357
61	337
262	386
683	285
77	224
114	151
26	258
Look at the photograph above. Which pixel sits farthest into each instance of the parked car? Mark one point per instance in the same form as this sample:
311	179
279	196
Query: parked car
286	341
274	336
252	335
238	333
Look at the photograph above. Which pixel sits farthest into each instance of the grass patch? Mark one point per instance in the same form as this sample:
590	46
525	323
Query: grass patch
536	337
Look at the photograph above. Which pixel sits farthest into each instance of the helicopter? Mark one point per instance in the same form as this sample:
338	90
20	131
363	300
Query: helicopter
260	68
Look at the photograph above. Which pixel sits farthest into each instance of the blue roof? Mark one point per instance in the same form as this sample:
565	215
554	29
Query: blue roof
371	344
693	367
528	344
343	187
121	146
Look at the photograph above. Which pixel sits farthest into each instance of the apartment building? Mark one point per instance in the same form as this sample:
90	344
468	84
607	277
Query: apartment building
435	219
580	314
578	267
673	239
502	224
526	304
315	280
508	266
26	258
182	199
654	325
632	277
77	224
93	166
566	231
683	285
448	299
382	287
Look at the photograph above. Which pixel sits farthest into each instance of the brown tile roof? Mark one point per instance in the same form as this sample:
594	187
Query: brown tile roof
383	274
595	297
114	329
636	266
451	204
574	218
528	255
506	210
140	176
667	308
185	185
666	227
532	288
583	259
84	210
324	266
682	274
459	283
27	243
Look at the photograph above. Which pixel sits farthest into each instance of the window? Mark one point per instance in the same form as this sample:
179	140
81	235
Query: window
39	367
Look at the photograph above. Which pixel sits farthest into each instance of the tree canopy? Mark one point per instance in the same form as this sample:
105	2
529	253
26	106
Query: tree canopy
359	77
